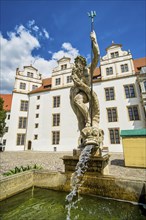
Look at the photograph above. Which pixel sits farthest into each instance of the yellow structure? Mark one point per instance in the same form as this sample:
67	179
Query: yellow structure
134	147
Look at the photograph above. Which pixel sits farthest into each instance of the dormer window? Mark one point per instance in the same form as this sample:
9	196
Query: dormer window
29	74
109	71
34	87
23	86
115	54
57	81
63	67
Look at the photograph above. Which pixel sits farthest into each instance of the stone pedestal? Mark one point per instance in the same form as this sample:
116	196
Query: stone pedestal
97	165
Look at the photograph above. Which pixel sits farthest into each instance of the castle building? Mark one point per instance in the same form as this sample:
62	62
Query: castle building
41	118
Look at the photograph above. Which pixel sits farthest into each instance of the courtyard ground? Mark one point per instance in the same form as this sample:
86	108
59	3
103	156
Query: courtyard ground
52	161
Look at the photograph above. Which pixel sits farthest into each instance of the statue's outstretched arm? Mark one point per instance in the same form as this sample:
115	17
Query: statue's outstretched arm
96	51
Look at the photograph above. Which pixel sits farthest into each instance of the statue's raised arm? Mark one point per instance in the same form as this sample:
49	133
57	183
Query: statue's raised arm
95	50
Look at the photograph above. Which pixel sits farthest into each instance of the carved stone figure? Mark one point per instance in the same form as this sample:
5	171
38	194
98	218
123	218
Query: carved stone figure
81	95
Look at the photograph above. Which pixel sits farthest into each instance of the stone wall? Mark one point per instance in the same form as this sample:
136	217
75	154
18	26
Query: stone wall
106	186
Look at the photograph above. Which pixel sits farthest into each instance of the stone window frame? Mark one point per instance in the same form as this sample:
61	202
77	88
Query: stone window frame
69	79
124	68
114	134
129	91
20	139
56	119
112	114
64	66
109	93
57	81
133	113
114	54
22	122
56	101
22	86
55	137
24	105
109	71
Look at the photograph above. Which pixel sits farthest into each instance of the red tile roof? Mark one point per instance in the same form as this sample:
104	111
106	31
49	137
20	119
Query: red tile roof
96	72
46	86
138	63
7	101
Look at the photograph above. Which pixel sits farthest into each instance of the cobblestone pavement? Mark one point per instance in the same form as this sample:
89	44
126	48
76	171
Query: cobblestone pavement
53	161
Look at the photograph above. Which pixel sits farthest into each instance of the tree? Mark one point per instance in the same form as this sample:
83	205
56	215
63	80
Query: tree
2	118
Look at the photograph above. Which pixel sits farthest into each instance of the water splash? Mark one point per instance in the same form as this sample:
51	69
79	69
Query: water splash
77	179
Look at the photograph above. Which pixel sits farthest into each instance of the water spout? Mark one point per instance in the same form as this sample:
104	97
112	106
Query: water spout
77	178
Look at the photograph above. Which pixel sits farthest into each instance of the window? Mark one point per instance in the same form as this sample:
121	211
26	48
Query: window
57	81
133	113
8	117
56	101
56	119
129	91
20	139
115	54
29	74
24	105
34	87
112	114
38	97
124	68
6	129
22	122
63	67
36	125
35	137
4	141
109	71
69	79
114	135
37	115
55	137
38	106
23	86
109	93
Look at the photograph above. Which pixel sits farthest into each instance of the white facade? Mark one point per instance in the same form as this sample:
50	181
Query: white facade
117	72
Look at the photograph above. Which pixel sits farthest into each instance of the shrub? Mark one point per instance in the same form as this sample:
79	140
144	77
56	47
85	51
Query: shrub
22	169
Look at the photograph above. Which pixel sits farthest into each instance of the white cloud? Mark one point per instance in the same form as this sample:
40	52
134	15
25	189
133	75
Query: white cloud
68	51
31	23
46	33
16	51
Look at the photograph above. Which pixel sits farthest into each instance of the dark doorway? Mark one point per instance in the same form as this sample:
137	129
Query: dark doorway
29	145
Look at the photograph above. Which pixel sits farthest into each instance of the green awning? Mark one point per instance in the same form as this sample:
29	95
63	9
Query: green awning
134	132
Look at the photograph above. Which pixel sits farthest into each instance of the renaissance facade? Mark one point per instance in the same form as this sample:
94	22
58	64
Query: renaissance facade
40	116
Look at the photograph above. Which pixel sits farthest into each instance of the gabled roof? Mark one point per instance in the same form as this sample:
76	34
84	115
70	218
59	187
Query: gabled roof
113	44
7	101
138	63
64	58
31	67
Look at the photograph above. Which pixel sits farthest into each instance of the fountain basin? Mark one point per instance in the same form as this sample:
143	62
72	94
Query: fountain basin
36	203
106	186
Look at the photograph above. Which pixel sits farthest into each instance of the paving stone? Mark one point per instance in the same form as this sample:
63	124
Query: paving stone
52	161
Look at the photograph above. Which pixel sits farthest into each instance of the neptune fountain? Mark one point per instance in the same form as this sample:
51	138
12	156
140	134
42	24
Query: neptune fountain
84	102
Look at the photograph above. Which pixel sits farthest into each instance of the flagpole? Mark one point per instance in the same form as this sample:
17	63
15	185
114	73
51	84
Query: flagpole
91	15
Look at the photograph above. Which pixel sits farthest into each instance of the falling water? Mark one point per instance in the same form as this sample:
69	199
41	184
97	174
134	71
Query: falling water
77	178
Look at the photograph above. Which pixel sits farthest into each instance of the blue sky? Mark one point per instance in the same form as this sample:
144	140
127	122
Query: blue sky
40	32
